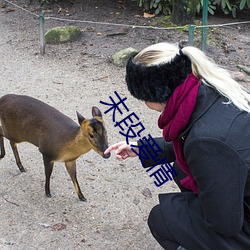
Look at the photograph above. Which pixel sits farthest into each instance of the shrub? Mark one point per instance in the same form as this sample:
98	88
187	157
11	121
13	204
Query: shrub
165	6
157	6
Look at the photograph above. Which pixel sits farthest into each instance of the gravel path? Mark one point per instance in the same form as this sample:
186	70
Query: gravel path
119	195
72	77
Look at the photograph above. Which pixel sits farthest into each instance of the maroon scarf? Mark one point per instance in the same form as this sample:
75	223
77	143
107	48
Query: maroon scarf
175	118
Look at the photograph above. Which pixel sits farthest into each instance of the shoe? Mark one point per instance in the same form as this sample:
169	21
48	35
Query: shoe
181	248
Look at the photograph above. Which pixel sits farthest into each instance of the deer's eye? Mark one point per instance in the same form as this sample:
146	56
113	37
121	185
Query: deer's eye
91	136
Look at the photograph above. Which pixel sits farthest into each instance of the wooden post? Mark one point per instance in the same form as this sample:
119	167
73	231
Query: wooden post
191	35
204	23
42	31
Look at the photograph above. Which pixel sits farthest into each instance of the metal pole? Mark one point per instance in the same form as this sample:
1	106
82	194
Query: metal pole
42	31
204	23
191	35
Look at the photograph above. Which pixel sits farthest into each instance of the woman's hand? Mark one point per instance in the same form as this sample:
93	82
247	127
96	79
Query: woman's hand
122	150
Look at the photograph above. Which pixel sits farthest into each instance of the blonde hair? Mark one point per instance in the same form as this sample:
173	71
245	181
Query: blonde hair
203	68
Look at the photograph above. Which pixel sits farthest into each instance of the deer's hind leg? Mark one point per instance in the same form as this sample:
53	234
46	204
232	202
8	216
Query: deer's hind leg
18	161
1	144
71	168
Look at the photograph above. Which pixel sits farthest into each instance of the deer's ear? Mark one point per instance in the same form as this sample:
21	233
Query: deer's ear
80	118
96	112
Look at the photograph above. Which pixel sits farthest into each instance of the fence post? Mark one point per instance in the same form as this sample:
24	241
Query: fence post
191	35
204	24
42	31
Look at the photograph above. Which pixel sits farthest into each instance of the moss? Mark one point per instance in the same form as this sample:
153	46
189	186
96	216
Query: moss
121	58
163	22
63	34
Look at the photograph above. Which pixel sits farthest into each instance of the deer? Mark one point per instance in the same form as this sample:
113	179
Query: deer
58	138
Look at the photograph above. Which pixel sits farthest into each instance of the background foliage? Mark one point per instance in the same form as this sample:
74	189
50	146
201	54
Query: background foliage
227	6
156	6
165	6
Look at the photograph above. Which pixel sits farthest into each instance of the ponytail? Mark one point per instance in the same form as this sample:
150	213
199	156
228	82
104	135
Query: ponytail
218	78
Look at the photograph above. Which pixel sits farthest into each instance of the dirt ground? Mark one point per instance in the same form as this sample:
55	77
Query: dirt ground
77	76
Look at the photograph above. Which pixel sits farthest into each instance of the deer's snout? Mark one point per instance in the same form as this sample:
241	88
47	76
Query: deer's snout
106	156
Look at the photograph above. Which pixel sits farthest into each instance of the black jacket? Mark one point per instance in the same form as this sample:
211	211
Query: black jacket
216	145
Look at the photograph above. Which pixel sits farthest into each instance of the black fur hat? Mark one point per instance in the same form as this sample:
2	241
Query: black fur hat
156	83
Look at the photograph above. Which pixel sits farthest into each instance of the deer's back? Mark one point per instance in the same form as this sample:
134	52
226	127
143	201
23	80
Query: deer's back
24	118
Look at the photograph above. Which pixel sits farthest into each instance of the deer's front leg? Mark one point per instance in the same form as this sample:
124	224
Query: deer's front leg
71	168
48	165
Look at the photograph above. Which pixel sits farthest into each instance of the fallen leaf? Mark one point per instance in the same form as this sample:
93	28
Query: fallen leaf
58	227
146	192
147	15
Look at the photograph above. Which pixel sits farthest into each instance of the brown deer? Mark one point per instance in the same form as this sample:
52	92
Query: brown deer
59	138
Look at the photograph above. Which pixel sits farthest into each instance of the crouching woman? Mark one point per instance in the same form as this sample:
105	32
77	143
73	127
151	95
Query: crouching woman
205	122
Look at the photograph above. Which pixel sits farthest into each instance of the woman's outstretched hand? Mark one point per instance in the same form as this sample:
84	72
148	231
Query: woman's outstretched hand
122	150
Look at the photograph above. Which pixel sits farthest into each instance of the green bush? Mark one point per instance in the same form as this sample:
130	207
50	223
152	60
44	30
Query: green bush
156	6
211	7
232	6
165	6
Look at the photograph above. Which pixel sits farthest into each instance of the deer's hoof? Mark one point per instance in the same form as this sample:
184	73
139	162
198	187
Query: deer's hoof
82	198
48	195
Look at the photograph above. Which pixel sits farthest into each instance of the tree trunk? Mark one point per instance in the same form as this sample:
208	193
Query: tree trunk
183	11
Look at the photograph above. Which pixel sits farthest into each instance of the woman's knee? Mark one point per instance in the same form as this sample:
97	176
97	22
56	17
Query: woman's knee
153	217
156	223
159	229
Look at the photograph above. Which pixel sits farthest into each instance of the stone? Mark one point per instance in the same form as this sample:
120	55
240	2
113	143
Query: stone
239	76
63	34
136	201
121	58
147	193
2	3
244	68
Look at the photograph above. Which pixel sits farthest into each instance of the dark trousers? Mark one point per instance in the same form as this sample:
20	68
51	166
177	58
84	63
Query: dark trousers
156	222
179	221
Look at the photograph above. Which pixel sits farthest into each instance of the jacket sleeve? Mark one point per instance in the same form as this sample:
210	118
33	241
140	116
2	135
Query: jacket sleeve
220	173
166	148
